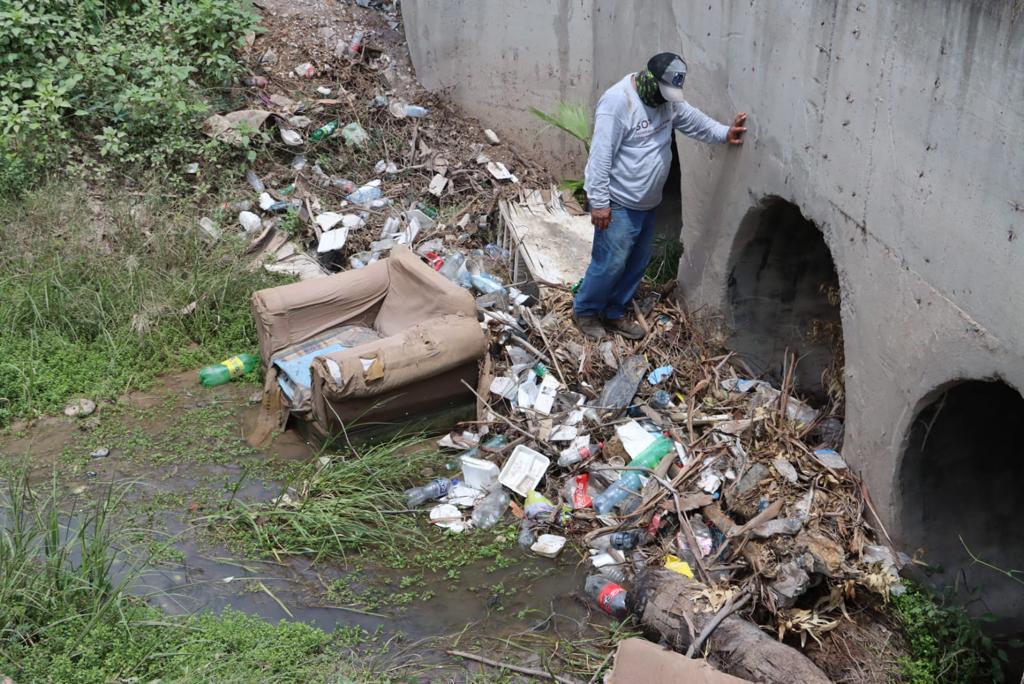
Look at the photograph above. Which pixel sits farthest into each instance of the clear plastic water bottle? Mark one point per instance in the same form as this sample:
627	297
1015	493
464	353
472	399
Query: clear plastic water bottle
613	572
574	455
489	511
415	111
433	490
452	265
486	283
629	483
609	596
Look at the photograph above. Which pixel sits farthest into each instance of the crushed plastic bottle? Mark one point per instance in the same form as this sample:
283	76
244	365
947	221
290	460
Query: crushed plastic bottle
629	483
489	511
433	490
343	184
354	135
219	373
254	181
416	111
497	252
355	46
625	541
621	389
364	195
609	596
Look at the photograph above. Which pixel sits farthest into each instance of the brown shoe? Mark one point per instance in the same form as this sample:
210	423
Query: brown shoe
624	327
590	326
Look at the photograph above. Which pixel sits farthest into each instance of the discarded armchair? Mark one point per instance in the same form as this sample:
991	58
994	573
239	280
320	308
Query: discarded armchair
380	344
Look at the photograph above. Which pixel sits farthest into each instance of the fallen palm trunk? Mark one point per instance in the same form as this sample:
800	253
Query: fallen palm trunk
673	607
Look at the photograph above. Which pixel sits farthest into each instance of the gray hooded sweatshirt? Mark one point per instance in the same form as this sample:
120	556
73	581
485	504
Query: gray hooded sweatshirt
630	151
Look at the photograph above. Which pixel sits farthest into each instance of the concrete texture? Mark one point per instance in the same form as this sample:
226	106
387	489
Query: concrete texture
894	128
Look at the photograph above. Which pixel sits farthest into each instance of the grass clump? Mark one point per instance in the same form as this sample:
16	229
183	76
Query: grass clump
347	506
64	617
97	301
946	645
105	82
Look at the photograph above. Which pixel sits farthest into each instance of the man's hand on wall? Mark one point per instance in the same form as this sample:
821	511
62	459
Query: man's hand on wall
736	131
601	217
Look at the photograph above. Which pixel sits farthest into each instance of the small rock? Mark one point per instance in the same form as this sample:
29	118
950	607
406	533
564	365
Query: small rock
102	452
269	58
492	137
91	473
751	478
80	408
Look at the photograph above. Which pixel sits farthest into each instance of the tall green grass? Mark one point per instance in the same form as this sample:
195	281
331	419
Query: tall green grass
95	296
63	618
347	506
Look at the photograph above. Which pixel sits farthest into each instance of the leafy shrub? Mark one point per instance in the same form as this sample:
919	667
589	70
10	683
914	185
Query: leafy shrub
946	645
122	81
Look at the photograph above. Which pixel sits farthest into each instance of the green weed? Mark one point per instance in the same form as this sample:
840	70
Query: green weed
664	264
101	83
96	302
946	645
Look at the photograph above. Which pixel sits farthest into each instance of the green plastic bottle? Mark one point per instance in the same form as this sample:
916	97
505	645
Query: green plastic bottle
324	131
219	373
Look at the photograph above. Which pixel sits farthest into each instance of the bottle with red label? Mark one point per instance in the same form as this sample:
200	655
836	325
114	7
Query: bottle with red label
609	596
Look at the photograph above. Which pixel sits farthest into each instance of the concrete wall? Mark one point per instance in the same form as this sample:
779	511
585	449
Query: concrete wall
896	128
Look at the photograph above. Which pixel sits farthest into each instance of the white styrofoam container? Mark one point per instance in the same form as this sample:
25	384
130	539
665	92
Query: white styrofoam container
478	473
524	470
548	545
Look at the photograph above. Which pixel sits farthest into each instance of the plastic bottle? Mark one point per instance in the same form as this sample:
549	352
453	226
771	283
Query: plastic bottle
496	252
573	455
364	195
254	181
416	111
355	46
343	184
613	572
489	511
625	541
609	596
325	131
435	489
452	265
495	442
219	373
629	482
527	535
486	283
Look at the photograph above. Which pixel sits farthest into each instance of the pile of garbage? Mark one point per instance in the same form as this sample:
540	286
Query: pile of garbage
662	453
352	167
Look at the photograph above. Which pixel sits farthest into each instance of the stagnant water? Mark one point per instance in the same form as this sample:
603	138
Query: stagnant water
167	458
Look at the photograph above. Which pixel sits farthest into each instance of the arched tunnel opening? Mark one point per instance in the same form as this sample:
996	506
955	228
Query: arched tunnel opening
960	482
784	295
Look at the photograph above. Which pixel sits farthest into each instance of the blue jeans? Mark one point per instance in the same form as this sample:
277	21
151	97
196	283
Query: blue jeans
618	260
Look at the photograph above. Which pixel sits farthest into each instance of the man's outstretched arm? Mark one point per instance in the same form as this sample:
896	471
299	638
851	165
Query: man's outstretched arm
696	124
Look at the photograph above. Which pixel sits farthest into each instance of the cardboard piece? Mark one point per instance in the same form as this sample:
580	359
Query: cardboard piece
639	660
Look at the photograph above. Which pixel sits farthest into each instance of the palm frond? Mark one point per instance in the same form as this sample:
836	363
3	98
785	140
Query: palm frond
573	119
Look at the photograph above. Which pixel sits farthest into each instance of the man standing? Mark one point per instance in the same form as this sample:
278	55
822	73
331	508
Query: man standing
630	155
